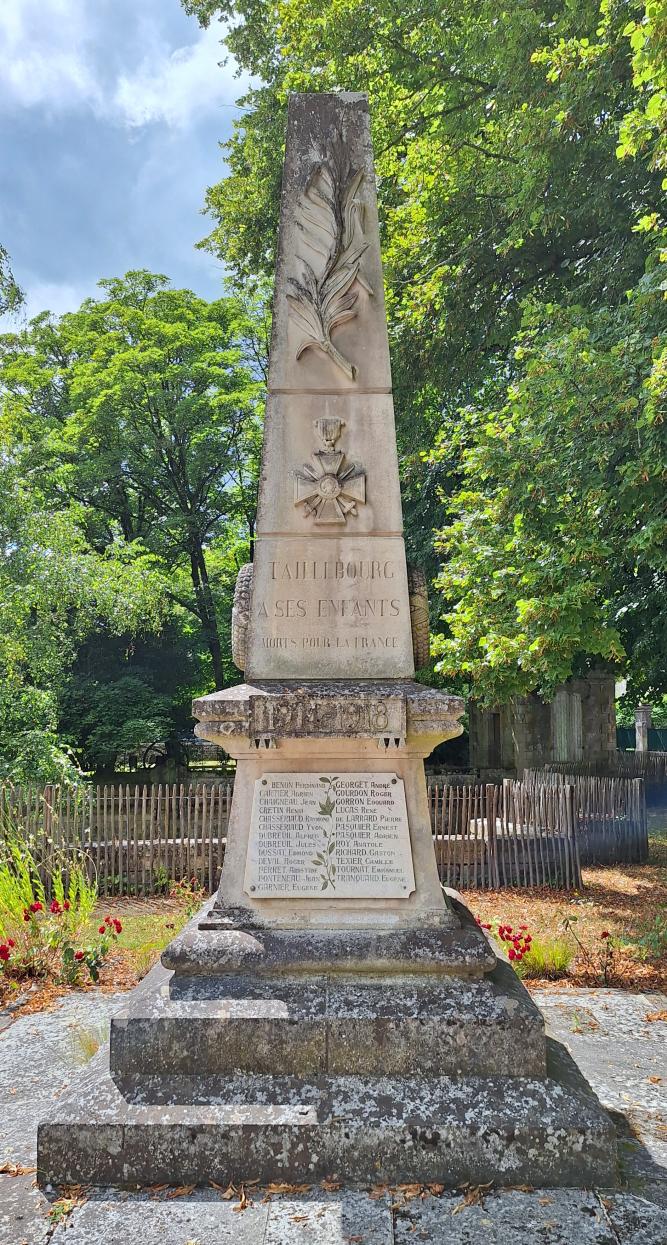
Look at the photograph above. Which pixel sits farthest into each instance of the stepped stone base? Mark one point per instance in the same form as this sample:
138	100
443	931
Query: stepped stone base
360	1130
316	1026
362	1078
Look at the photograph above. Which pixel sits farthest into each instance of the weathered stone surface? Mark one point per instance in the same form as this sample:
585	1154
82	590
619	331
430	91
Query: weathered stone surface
315	1026
278	709
552	1216
363	1130
219	945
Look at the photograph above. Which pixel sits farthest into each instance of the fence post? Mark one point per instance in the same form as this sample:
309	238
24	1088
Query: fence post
573	845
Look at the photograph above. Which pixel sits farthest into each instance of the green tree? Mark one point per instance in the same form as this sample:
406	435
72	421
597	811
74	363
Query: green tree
140	407
11	295
54	591
558	553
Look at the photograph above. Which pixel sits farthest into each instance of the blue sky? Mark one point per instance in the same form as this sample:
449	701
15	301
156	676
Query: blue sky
110	116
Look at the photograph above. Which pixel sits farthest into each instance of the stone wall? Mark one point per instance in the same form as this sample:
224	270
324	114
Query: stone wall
579	724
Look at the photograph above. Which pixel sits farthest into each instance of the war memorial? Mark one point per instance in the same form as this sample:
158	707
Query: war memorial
331	1013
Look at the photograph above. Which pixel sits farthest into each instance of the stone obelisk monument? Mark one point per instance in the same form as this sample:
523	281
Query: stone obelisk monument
333	1012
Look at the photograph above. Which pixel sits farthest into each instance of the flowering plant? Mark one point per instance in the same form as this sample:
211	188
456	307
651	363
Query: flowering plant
519	939
41	937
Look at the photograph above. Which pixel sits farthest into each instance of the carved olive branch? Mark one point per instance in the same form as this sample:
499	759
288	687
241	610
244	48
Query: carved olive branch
331	220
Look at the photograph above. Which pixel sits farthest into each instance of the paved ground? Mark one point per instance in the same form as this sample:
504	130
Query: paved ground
621	1052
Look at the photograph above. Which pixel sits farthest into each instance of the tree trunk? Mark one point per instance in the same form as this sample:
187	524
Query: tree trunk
206	611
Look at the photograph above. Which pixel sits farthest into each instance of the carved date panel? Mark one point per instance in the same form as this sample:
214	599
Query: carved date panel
296	715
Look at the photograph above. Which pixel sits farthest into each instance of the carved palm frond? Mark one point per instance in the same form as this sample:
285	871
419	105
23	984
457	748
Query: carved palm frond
331	221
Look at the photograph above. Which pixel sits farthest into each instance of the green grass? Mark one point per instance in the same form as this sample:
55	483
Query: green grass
548	957
145	935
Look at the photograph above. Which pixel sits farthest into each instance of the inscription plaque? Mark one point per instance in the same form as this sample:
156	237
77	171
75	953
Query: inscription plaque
333	836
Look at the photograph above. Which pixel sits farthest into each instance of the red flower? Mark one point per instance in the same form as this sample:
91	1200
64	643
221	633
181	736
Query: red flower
486	925
4	951
102	929
10	942
512	953
54	907
26	914
605	933
66	905
78	955
108	920
36	906
117	925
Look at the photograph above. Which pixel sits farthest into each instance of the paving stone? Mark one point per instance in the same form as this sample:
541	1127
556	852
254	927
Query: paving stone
636	1221
195	1220
18	1129
545	1216
329	1219
22	1212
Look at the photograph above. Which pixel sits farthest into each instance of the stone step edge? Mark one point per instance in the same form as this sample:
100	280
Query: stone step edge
550	1132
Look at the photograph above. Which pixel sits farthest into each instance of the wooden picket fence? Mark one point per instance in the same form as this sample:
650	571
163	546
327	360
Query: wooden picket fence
137	840
611	825
490	836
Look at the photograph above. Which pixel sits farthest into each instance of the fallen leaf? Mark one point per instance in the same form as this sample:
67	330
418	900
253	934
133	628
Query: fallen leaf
300	1218
183	1190
661	1015
473	1195
545	1201
244	1201
655	1080
436	1189
16	1169
331	1186
280	1187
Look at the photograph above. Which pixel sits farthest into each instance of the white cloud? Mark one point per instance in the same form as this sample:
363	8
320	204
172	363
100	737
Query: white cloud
124	62
45	54
174	86
54	296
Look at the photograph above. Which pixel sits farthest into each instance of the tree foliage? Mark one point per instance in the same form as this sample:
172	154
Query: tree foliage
140	407
129	433
519	155
558	552
54	591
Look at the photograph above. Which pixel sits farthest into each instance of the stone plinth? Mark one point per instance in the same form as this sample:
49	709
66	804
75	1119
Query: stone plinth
333	730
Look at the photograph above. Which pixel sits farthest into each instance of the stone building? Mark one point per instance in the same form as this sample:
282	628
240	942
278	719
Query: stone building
579	724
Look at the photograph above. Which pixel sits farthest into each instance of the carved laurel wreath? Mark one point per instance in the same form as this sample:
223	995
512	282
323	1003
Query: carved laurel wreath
331	219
